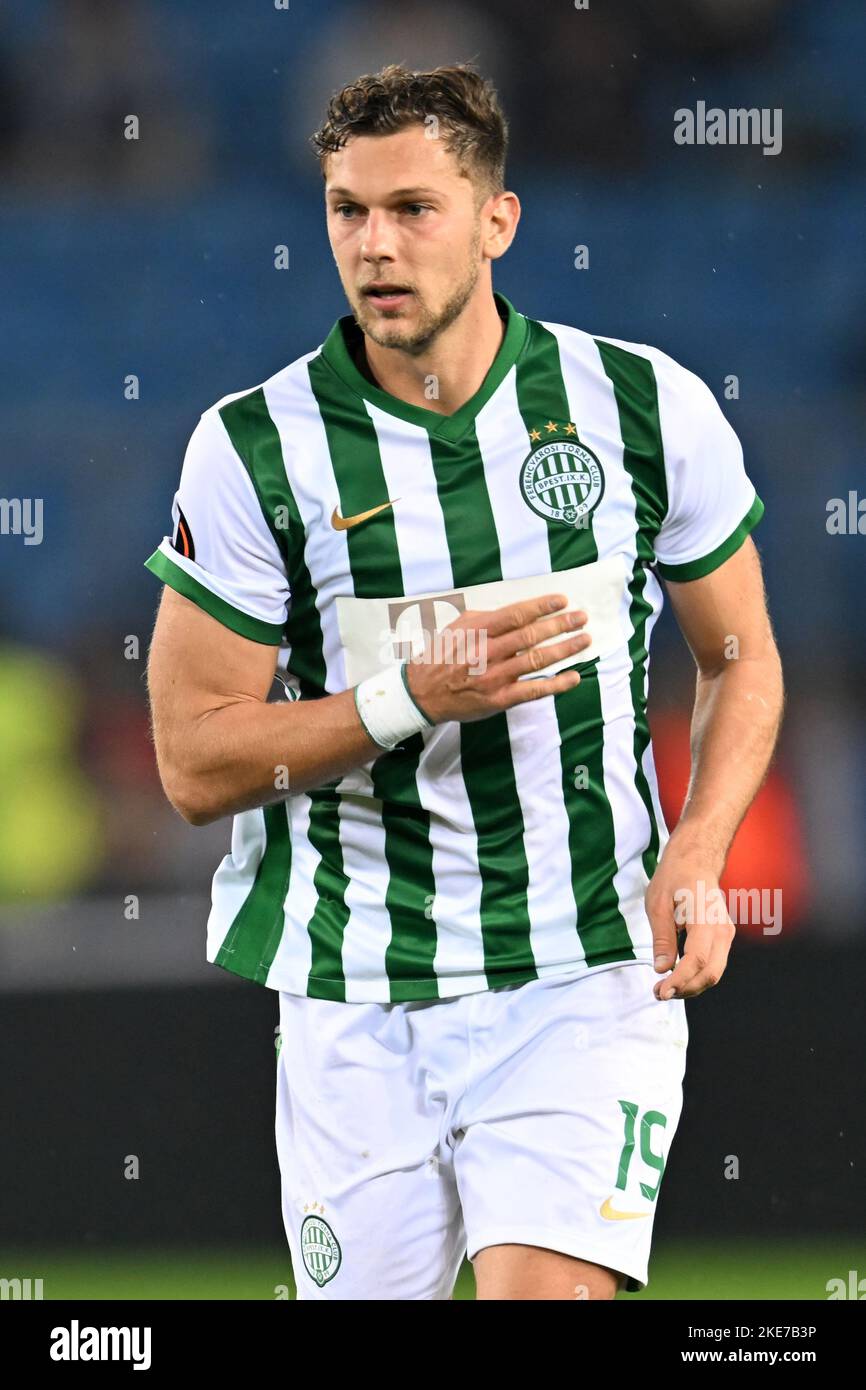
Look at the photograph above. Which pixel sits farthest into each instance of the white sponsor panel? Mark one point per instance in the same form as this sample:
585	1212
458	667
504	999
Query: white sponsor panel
377	632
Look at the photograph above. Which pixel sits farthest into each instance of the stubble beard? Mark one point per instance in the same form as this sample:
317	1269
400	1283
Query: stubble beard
430	325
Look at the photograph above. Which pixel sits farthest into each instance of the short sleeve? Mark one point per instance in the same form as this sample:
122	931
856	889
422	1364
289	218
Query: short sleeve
221	553
712	504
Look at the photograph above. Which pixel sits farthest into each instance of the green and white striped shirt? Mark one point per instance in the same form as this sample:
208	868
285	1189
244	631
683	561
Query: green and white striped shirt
474	855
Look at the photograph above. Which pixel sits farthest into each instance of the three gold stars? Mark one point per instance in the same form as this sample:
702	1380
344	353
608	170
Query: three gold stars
553	428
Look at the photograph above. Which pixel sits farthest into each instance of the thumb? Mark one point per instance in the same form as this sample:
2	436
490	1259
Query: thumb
660	911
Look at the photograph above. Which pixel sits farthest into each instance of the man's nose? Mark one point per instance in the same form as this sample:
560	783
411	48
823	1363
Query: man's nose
378	240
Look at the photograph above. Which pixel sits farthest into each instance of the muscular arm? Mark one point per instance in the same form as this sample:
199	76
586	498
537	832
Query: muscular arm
222	748
219	743
735	722
738	699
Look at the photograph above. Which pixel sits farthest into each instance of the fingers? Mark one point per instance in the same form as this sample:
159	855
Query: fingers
494	686
524	691
501	620
703	963
536	658
524	642
660	911
519	625
664	945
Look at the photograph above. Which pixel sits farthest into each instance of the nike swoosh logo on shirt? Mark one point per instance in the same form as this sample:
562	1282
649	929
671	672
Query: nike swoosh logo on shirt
342	523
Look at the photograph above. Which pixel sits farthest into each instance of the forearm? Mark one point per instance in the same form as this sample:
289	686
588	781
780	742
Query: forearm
735	724
251	753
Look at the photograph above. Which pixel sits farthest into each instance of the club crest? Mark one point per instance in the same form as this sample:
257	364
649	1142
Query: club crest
562	481
320	1250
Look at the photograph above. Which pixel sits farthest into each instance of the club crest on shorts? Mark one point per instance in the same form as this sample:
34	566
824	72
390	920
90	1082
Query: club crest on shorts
320	1249
561	479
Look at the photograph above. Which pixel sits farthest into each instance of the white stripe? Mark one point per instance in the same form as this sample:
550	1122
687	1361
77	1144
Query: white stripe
295	413
524	550
368	929
404	449
291	402
235	876
425	562
593	408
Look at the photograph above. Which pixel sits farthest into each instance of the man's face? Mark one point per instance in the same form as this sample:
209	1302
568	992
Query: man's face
401	215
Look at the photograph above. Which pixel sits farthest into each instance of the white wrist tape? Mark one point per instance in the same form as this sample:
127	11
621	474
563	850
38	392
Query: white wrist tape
387	710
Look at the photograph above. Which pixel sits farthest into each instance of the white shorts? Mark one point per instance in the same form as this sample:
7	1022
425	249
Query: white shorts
412	1135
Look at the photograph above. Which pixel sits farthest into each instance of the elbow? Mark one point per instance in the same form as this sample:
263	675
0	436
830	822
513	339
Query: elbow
188	800
194	815
194	810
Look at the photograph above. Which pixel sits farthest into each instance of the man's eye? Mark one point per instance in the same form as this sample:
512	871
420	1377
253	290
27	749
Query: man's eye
344	207
417	207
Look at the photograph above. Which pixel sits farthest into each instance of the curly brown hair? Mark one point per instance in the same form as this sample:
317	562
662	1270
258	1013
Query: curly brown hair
464	103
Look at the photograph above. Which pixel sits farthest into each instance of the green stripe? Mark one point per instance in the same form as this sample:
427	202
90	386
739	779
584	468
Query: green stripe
327	925
696	569
542	401
251	942
604	937
636	394
353	446
257	441
486	759
601	926
411	882
374	561
256	629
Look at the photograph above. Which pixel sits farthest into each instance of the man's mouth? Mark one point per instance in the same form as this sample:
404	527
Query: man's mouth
387	296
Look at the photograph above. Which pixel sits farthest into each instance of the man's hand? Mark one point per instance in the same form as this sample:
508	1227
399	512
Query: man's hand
484	653
684	893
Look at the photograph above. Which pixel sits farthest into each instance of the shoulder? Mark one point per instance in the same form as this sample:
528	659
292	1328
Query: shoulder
657	384
681	391
224	436
674	380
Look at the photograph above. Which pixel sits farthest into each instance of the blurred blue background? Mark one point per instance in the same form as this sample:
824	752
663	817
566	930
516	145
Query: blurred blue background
155	257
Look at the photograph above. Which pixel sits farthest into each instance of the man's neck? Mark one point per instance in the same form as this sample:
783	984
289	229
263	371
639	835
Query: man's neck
448	374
